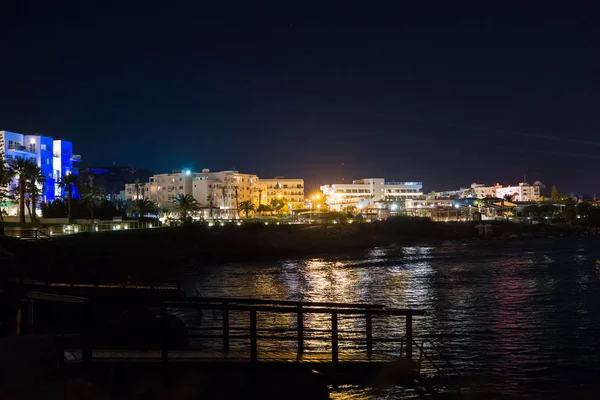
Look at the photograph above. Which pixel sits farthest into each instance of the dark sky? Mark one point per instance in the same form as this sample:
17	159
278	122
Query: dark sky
401	92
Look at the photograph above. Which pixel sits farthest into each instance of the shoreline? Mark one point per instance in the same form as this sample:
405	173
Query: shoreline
162	254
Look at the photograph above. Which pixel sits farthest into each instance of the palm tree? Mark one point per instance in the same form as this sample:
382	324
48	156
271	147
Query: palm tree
209	198
186	205
247	206
259	197
5	178
68	182
89	197
479	203
137	188
33	185
21	168
237	204
509	197
224	194
142	207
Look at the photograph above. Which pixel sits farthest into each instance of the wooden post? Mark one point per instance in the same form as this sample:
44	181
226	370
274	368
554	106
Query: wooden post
300	330
369	327
334	337
225	326
409	337
164	336
253	352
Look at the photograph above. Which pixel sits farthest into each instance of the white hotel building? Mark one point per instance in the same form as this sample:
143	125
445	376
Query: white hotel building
222	190
522	192
365	192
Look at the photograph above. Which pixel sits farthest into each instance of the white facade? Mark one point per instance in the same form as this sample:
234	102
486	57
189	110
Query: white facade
162	189
365	192
222	190
225	189
481	191
288	190
522	192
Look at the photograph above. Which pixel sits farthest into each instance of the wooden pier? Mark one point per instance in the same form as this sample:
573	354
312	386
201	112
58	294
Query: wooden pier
272	341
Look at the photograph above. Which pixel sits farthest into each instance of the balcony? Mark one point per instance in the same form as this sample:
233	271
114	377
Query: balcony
405	183
20	147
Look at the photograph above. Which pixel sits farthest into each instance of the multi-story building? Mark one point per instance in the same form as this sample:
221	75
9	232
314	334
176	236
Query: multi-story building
224	190
288	190
162	189
365	192
480	191
54	157
522	192
220	191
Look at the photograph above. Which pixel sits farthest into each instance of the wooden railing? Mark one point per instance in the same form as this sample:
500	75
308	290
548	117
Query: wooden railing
253	333
32	234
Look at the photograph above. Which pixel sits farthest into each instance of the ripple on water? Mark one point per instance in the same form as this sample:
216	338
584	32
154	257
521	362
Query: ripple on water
522	319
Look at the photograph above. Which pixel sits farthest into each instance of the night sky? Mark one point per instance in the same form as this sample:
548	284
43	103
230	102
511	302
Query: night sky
443	95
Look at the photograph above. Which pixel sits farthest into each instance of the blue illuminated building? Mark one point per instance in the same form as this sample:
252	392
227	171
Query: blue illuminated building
54	157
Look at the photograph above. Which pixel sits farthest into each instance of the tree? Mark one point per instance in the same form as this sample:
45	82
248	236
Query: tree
554	195
263	208
21	168
186	205
209	198
277	205
142	207
237	204
569	212
247	206
479	203
137	188
33	188
224	195
5	178
67	183
89	197
470	192
583	208
509	197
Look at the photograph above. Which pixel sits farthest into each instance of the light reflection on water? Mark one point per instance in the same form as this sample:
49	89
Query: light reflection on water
522	318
